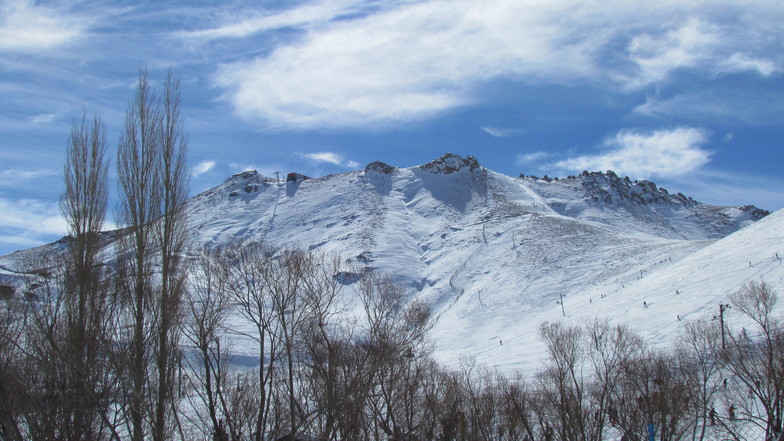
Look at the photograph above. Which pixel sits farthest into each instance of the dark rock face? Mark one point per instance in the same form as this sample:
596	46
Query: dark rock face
450	163
756	213
610	188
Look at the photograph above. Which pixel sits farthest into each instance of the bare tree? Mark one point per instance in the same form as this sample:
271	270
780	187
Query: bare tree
12	384
247	273
518	407
330	360
653	392
394	341
287	289
84	291
697	355
153	190
609	349
482	400
563	382
138	175
170	239
208	306
754	360
83	204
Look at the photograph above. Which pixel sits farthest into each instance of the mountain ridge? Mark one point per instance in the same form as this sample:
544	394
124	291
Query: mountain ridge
493	255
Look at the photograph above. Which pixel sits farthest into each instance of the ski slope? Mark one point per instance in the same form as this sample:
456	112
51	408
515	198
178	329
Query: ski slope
679	281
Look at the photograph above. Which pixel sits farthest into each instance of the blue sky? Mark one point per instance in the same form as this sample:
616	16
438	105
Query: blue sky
688	94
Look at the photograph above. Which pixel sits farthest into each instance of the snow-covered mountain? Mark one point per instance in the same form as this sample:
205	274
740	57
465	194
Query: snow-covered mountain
495	255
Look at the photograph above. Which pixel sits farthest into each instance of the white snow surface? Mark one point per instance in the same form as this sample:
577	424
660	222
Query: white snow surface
493	255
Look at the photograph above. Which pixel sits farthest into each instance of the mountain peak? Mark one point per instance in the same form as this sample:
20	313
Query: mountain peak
380	167
450	163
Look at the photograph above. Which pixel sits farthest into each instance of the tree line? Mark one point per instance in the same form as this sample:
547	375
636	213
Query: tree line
153	340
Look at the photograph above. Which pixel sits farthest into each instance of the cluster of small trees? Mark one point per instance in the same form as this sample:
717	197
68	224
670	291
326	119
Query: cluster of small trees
327	375
603	381
321	371
146	339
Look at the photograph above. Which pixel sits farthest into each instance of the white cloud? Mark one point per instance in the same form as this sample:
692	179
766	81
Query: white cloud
402	64
28	26
528	158
202	167
739	62
43	118
657	55
414	60
26	223
661	153
697	43
331	158
239	168
13	176
268	170
31	219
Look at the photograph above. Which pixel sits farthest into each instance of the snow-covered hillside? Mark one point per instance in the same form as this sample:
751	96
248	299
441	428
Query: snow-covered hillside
654	293
493	255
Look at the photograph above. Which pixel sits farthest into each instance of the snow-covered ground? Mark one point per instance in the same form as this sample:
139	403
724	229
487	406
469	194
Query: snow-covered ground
649	293
493	255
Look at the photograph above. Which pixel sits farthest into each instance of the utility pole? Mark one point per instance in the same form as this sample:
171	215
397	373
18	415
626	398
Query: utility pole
563	311
722	307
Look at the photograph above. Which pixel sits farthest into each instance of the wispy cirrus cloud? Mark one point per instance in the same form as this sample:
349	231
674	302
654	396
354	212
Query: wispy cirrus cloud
499	132
416	60
14	176
255	22
29	26
712	106
684	105
661	153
